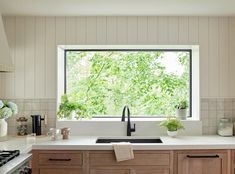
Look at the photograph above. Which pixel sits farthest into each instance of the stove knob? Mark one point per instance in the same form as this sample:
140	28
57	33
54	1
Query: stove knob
27	170
21	171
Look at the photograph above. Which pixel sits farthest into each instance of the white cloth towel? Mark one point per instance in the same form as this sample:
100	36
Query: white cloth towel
123	151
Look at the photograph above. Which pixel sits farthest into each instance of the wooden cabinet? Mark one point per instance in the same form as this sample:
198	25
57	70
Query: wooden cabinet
57	162
202	162
142	158
109	171
144	170
60	171
233	162
145	162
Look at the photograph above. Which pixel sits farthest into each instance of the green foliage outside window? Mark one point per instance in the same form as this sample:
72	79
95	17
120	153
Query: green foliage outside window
105	81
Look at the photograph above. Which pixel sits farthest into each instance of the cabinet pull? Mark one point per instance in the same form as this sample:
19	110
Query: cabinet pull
59	159
202	156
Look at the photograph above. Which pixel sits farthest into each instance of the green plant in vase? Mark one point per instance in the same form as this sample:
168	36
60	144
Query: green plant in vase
181	109
172	125
69	109
7	110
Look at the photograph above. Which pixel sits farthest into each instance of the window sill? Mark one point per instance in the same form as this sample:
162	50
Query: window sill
132	119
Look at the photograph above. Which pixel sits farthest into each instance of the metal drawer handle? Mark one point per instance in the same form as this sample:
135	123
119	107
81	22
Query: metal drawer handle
202	156
59	159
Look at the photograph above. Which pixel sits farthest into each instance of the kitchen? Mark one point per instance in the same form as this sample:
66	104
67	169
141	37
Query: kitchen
37	35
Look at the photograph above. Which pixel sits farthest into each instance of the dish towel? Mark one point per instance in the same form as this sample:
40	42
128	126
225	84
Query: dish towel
123	151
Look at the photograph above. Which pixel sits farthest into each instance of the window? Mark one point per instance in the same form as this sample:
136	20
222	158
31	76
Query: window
149	81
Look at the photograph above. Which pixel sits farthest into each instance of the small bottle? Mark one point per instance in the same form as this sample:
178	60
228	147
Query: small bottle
225	127
21	126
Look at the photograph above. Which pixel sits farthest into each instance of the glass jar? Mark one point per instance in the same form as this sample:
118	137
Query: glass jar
225	127
22	126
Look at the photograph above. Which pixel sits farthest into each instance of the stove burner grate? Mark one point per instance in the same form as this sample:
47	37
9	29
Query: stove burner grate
7	155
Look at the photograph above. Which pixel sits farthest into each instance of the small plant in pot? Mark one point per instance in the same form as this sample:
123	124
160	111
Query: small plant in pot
69	109
172	125
181	109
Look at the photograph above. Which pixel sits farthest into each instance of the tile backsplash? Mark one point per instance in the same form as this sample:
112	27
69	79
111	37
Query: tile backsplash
28	107
212	109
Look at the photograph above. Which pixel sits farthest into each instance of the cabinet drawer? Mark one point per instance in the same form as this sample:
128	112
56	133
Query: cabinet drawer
60	171
152	171
109	171
64	159
105	158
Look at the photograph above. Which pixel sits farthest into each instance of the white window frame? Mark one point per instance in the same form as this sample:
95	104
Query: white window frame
195	73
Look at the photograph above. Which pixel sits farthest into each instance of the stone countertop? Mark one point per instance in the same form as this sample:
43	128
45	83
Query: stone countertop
88	143
178	143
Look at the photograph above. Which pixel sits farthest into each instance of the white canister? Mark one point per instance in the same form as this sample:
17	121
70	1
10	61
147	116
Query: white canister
225	127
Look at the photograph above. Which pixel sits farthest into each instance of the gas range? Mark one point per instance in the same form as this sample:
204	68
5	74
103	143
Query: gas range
7	155
12	162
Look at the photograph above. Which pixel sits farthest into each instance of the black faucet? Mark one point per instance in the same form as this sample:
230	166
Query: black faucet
129	129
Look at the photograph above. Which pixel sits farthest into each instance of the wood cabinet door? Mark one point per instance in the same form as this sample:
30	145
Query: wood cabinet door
60	171
151	171
202	163
109	171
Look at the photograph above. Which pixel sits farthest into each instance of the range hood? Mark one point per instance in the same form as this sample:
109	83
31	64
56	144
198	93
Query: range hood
5	57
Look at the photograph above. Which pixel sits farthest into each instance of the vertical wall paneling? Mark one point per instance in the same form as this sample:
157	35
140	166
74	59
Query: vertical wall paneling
183	30
71	30
2	76
142	30
20	57
173	28
9	83
91	30
163	30
40	71
213	57
232	55
101	30
33	42
152	30
81	30
204	60
121	30
111	30
193	30
132	34
29	57
223	57
50	61
60	31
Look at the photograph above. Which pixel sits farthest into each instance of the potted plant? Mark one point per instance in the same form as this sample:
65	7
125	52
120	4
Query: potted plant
69	109
181	109
172	125
7	109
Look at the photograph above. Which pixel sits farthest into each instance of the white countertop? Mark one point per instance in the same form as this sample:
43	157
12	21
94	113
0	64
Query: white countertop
181	142
88	143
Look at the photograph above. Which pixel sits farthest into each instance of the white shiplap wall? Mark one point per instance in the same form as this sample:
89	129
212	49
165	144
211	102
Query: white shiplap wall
33	43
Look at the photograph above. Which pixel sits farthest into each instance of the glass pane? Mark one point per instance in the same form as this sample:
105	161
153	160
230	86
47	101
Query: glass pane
151	83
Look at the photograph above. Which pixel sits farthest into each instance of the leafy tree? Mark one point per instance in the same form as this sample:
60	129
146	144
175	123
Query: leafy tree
105	81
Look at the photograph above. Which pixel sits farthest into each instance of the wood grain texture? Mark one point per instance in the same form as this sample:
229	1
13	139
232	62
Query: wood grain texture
33	42
186	165
142	158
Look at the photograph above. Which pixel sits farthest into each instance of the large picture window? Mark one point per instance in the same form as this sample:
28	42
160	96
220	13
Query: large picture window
151	82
